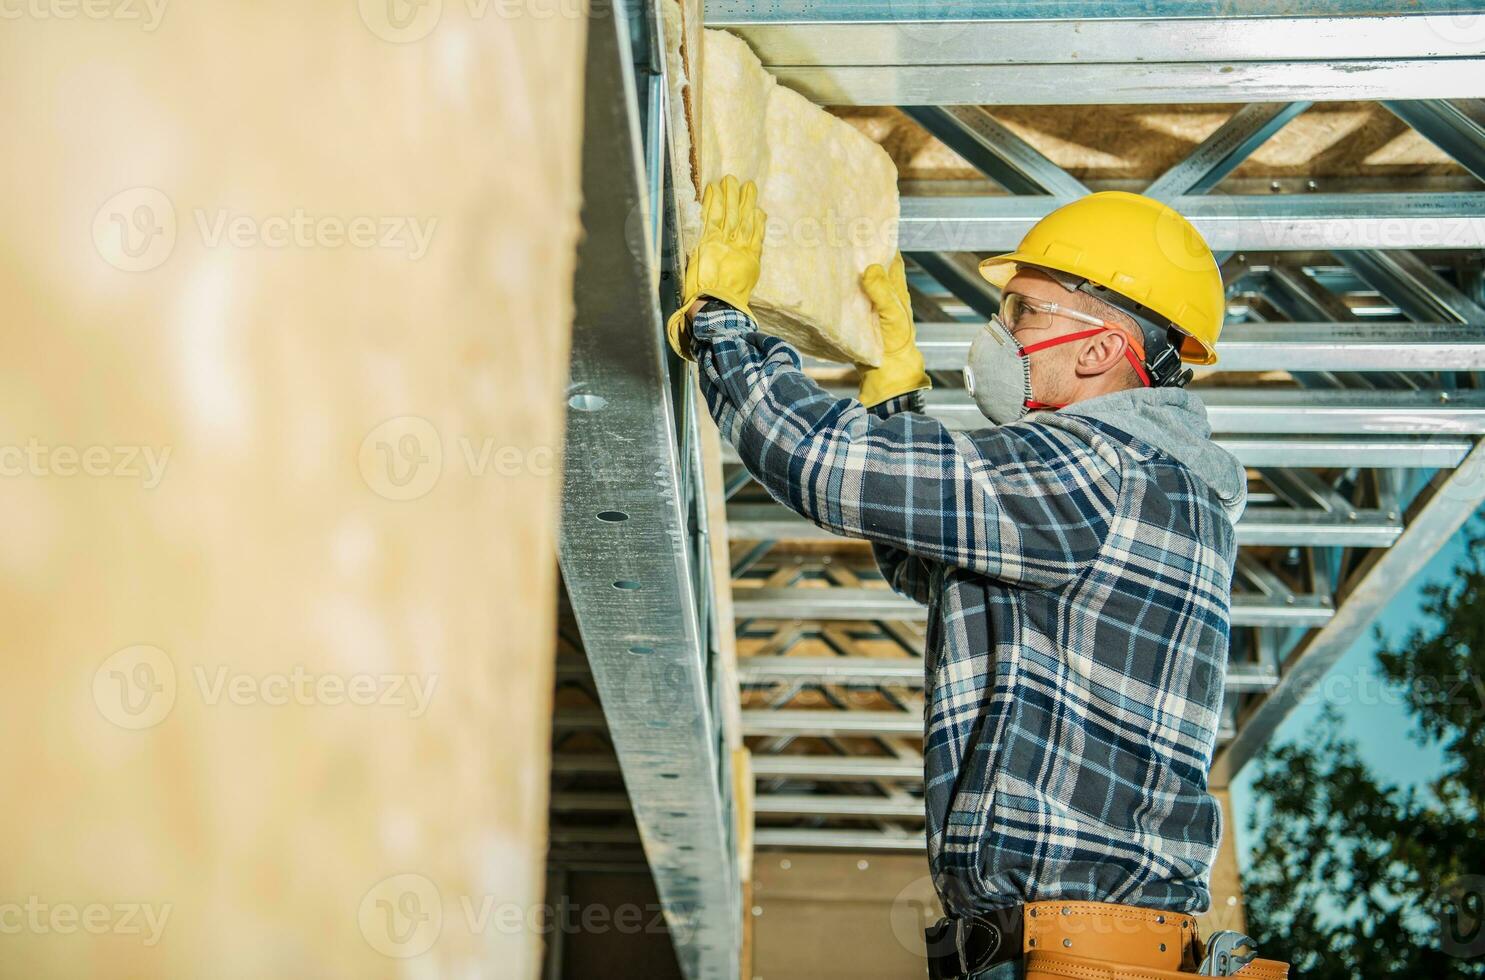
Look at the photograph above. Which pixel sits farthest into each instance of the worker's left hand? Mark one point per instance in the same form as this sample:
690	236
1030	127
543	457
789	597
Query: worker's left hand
901	370
727	259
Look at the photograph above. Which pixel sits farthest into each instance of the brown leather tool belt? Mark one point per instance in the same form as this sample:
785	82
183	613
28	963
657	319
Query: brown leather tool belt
1077	941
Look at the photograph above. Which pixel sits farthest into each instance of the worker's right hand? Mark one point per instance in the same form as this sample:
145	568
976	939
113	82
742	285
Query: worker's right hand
727	259
901	370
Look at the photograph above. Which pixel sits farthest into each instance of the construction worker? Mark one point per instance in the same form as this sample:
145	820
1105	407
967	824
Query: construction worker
1076	557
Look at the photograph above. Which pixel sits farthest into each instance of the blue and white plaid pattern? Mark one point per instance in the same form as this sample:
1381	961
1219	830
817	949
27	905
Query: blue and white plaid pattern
1078	584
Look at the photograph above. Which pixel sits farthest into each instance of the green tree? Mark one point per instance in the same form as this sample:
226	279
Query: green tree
1353	876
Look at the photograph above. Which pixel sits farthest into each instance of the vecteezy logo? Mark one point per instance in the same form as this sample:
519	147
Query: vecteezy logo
135	687
1458	29
135	229
402	458
400	21
401	916
1462	918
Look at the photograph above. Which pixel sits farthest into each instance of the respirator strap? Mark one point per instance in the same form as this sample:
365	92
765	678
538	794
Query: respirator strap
1129	355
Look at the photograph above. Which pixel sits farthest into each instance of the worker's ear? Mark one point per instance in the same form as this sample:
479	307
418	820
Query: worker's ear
1101	353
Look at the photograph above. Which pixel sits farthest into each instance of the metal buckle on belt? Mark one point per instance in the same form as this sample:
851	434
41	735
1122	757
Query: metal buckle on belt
964	947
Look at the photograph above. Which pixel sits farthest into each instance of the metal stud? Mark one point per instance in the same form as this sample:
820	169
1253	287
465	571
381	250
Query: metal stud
1160	919
1067	943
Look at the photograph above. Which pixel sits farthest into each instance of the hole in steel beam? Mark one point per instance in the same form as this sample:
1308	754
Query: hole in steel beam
670	775
612	516
641	649
588	403
628	585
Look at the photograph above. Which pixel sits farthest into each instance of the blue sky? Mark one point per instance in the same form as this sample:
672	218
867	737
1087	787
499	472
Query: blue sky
1372	717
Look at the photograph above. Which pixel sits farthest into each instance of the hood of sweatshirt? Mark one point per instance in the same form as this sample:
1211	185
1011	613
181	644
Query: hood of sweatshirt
1174	421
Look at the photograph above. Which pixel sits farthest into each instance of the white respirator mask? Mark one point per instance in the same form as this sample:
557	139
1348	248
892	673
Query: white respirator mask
997	374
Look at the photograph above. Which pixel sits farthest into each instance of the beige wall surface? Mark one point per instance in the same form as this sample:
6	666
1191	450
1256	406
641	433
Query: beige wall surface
286	290
840	916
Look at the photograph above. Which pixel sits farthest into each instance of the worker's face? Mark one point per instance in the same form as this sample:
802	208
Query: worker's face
1052	371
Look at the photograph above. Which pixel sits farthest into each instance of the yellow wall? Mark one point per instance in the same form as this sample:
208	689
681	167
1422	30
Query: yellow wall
237	238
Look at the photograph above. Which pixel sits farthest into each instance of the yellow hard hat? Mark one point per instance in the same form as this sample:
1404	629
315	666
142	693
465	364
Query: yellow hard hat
1138	248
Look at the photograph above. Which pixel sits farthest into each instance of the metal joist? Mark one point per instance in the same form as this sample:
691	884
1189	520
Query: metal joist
1430	452
1421	293
1322	452
908	672
1280	526
836	768
1452	127
995	150
809	838
1297	411
944	56
1440	510
1324	346
967	223
867	604
624	536
832	805
1220	153
761	721
959	273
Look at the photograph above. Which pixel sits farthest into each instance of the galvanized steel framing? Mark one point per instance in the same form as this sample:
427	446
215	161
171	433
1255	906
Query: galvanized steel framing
1380	403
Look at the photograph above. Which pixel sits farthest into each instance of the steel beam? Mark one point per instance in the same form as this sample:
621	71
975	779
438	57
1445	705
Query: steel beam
1349	346
1284	222
813	839
848	604
959	273
1434	517
1281	526
908	672
1135	83
1325	452
831	805
1220	153
1421	293
720	12
996	151
1455	129
762	721
1282	411
836	768
629	576
1302	298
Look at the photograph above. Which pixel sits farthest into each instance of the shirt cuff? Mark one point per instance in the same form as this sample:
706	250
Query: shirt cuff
718	321
911	401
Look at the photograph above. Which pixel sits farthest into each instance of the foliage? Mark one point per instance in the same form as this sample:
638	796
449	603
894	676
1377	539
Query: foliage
1353	876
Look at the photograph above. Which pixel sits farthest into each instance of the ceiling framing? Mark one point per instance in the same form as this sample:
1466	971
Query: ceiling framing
1349	386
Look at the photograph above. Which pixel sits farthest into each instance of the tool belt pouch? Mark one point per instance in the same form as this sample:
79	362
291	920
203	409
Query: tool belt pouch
1064	966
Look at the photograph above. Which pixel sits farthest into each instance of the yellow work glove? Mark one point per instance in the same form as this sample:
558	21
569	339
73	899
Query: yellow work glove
901	370
726	261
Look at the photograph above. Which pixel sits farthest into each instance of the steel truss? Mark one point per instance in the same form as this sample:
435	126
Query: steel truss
1356	316
632	542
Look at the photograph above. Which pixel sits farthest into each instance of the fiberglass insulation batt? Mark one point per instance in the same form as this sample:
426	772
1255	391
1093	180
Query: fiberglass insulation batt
830	194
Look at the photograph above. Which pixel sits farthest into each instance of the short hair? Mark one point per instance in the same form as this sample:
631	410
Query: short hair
1090	304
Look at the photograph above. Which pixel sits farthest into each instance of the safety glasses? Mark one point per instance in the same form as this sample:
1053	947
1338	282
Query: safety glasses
1014	308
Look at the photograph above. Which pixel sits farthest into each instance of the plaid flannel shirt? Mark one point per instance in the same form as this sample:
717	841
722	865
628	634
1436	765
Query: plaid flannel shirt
1078	585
